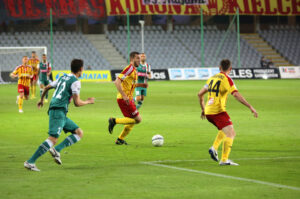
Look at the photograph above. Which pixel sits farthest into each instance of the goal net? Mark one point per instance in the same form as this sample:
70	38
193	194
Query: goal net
11	57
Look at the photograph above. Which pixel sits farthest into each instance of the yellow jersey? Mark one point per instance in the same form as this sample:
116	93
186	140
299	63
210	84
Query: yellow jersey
34	63
128	77
25	73
218	87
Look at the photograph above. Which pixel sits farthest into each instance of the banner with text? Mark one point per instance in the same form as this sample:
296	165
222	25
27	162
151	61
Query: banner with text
87	75
209	7
192	73
40	9
156	74
289	72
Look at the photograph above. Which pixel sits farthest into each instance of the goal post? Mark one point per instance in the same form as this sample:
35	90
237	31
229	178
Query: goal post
11	56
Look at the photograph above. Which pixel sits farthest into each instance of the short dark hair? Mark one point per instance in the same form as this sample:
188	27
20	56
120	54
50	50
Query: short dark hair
76	65
33	52
133	54
225	64
44	55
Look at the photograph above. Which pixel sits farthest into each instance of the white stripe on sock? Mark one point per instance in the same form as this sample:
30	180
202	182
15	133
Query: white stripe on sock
49	142
77	137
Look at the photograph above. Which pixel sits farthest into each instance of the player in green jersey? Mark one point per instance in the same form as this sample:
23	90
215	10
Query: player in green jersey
44	70
66	88
144	73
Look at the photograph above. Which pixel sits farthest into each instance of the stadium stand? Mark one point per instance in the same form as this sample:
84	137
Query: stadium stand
182	47
67	45
285	39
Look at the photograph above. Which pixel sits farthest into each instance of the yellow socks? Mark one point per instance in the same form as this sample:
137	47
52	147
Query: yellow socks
20	103
221	135
33	91
227	144
126	131
125	120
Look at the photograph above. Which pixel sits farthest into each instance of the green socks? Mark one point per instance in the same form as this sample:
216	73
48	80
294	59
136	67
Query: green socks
139	104
43	148
72	139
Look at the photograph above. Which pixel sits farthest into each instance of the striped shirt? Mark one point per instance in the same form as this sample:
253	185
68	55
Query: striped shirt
25	74
128	77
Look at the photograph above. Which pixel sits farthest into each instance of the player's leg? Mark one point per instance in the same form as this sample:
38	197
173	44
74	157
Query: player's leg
46	82
126	130
20	98
77	134
57	120
227	145
139	97
41	88
213	150
130	115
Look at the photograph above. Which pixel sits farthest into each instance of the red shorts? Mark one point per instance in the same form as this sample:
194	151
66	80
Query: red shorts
34	78
220	120
23	89
128	110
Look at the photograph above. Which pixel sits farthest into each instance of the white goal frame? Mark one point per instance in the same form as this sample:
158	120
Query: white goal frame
30	48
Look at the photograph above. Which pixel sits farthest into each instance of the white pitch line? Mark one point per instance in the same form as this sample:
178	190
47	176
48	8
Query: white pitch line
204	160
223	176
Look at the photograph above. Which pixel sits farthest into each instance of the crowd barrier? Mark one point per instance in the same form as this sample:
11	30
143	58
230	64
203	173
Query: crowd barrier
282	72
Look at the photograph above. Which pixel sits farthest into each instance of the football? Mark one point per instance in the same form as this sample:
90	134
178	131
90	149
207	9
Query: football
157	140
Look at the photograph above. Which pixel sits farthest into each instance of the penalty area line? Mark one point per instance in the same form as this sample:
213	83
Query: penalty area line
223	176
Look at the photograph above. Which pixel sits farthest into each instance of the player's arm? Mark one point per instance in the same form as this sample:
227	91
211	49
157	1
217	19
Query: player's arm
45	91
79	102
149	72
241	99
118	84
75	87
49	70
201	94
14	74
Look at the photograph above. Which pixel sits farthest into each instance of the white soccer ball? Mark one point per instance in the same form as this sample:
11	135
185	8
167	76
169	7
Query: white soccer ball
157	140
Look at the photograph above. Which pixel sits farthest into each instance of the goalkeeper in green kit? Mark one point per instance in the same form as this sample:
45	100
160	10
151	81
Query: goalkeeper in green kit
144	73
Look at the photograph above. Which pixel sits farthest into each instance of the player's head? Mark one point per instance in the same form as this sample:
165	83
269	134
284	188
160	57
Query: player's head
225	65
135	58
44	57
143	57
24	60
77	67
33	54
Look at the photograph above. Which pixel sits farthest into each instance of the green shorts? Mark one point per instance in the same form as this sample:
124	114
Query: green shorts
58	121
140	91
44	82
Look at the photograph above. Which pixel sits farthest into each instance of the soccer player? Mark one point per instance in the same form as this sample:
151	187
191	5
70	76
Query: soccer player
144	73
44	71
125	84
214	111
66	88
33	62
24	73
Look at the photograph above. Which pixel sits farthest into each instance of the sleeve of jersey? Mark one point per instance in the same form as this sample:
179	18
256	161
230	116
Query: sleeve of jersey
232	87
54	83
75	87
206	85
126	72
16	71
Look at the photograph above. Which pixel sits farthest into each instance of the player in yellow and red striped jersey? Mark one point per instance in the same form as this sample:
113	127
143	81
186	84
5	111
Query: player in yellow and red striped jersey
218	87
125	84
24	73
34	63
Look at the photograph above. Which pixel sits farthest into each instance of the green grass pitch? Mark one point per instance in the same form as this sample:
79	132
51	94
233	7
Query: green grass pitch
267	148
